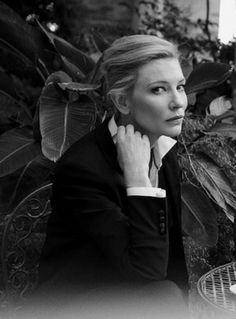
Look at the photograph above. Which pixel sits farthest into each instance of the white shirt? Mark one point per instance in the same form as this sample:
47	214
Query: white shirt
161	147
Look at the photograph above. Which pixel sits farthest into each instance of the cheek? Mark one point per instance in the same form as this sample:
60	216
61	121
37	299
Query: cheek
185	101
148	112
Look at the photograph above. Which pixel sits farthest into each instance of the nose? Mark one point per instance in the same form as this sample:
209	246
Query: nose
178	100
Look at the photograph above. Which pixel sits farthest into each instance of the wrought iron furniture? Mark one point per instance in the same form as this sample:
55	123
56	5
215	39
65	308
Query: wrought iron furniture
22	240
213	287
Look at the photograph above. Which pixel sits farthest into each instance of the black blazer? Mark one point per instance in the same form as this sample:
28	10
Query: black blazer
97	235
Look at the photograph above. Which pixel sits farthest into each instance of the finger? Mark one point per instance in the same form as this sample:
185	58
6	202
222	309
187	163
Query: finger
130	129
137	134
120	133
146	139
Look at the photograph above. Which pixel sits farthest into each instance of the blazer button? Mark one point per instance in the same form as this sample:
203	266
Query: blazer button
162	228
161	212
162	215
162	222
162	219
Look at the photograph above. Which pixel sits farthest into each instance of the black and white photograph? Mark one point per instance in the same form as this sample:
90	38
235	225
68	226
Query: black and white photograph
117	159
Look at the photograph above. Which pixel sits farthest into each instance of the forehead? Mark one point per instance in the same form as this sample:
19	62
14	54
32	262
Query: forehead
165	70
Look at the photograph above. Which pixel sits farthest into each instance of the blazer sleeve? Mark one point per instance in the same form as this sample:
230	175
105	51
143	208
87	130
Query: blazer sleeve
133	238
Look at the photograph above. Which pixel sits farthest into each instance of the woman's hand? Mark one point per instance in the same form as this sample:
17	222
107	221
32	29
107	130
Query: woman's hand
133	156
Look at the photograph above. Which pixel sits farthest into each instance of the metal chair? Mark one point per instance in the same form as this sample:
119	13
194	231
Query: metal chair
213	287
22	240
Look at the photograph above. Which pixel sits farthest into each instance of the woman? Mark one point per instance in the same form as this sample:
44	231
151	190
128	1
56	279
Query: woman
116	203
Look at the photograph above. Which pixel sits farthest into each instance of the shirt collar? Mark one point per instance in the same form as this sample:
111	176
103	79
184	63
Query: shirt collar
162	146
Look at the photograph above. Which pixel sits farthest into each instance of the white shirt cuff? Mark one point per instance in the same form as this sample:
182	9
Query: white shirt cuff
146	191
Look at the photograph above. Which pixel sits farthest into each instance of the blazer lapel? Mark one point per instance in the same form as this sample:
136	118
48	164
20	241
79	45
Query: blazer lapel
106	145
170	165
171	176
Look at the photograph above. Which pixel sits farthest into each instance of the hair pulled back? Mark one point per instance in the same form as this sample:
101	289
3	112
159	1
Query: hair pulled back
127	54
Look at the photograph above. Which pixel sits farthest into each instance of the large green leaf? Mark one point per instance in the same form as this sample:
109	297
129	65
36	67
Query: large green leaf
6	124
6	84
64	118
72	70
37	172
26	42
70	54
198	215
207	75
12	109
58	77
100	42
78	87
48	59
216	185
9	106
74	55
13	63
7	185
16	34
224	129
17	148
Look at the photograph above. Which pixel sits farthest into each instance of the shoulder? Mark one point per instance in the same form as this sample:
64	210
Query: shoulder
82	150
85	156
171	156
171	164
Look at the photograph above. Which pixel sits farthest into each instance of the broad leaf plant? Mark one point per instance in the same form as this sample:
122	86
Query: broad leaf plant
51	94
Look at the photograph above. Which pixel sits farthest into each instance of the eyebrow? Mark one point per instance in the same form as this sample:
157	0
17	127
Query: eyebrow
166	82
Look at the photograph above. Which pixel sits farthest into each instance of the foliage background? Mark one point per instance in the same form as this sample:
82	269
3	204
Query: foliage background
23	85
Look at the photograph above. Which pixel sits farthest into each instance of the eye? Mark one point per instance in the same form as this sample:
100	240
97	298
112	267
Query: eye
181	87
158	89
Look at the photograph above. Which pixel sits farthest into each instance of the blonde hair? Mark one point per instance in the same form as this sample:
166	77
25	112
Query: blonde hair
122	60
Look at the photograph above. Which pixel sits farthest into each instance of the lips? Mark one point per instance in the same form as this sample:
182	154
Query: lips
175	118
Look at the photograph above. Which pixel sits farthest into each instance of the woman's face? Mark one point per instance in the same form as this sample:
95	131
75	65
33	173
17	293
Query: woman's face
158	101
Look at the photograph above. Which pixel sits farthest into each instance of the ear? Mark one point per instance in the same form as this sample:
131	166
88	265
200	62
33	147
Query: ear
121	103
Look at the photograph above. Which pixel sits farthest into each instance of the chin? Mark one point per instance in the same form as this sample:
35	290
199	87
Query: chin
174	132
